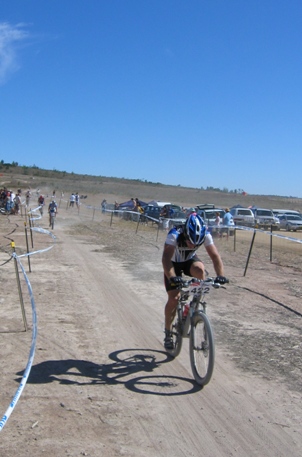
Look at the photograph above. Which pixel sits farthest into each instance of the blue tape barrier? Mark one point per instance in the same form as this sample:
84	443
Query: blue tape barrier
25	376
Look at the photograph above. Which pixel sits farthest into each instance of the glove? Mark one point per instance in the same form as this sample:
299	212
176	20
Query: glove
176	281
221	280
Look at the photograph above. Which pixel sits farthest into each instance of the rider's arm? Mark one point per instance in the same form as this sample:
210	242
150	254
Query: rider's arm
216	259
167	262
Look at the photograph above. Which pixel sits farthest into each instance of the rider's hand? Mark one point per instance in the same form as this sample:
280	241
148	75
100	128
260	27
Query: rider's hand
175	281
221	280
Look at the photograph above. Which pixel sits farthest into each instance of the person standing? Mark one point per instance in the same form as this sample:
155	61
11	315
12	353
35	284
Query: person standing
103	204
164	214
17	203
228	218
27	197
77	200
72	200
217	224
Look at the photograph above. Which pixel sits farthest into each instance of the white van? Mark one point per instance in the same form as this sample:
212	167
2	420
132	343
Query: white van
277	212
243	216
264	218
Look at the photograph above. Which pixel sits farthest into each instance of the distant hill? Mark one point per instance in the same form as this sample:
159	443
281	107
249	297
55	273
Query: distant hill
15	176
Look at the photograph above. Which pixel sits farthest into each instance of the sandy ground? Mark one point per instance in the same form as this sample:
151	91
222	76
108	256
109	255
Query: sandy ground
101	383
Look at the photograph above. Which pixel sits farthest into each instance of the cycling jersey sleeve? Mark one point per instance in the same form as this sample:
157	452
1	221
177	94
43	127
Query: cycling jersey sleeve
172	237
208	240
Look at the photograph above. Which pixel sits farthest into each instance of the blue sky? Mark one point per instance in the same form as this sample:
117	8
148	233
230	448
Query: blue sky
192	93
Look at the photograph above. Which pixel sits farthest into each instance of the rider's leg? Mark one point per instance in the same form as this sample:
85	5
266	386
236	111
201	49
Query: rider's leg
170	308
197	270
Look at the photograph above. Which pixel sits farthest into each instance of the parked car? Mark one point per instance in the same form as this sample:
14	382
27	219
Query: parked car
290	222
279	212
243	216
175	213
178	218
264	218
153	212
209	215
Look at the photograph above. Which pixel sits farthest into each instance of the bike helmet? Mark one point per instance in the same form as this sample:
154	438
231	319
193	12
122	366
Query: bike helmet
195	230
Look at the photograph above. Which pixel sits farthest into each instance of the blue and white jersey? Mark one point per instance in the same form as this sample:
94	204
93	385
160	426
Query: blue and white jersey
176	238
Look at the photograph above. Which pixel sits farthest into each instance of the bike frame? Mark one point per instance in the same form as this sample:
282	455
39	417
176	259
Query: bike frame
195	289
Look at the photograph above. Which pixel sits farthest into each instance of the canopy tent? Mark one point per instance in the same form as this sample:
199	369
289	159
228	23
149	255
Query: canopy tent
158	203
130	205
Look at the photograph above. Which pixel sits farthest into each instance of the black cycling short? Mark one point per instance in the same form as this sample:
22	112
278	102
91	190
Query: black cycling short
181	268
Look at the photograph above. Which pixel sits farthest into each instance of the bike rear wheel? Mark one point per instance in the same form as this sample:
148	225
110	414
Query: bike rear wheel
177	337
202	350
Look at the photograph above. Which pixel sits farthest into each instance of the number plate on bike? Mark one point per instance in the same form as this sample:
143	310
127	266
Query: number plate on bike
195	288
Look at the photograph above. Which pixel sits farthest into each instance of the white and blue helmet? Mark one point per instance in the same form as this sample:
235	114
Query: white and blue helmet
195	229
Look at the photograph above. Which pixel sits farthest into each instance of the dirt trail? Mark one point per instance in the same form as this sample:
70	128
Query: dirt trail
101	383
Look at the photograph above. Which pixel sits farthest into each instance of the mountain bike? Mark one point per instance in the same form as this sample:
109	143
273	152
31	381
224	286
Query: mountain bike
191	321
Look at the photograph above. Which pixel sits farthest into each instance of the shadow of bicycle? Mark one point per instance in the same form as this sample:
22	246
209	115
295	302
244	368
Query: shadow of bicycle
135	368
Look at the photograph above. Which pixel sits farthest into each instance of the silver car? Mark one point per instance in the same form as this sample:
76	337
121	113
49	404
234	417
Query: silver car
290	222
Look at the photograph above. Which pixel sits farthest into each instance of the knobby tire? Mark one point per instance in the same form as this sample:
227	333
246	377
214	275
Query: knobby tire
202	349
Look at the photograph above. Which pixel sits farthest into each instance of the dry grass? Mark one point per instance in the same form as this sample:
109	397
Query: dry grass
97	188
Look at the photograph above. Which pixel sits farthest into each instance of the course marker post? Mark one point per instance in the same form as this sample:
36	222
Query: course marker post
31	224
19	287
250	251
27	248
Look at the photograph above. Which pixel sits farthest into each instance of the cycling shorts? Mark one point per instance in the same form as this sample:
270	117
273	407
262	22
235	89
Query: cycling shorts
181	268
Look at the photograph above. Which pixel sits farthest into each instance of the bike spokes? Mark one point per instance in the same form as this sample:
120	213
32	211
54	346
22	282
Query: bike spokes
201	349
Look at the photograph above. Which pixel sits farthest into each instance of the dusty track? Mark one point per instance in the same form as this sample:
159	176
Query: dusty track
101	383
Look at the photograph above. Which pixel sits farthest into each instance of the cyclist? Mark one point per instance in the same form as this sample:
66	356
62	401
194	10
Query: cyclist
41	203
179	256
52	210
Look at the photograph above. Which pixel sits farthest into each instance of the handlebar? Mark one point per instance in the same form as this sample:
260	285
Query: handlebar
208	281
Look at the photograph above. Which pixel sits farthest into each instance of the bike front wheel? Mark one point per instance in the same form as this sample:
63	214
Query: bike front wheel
202	350
52	222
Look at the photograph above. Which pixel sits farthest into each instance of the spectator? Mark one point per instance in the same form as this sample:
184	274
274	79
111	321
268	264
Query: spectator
140	210
134	202
72	200
77	200
104	204
17	203
8	202
217	224
27	197
228	218
165	215
218	219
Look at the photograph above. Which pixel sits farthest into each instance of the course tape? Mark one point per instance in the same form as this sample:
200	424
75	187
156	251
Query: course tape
46	232
25	376
35	213
268	232
31	353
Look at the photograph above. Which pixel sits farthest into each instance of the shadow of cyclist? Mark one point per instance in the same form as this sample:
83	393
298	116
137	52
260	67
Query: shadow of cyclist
126	365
